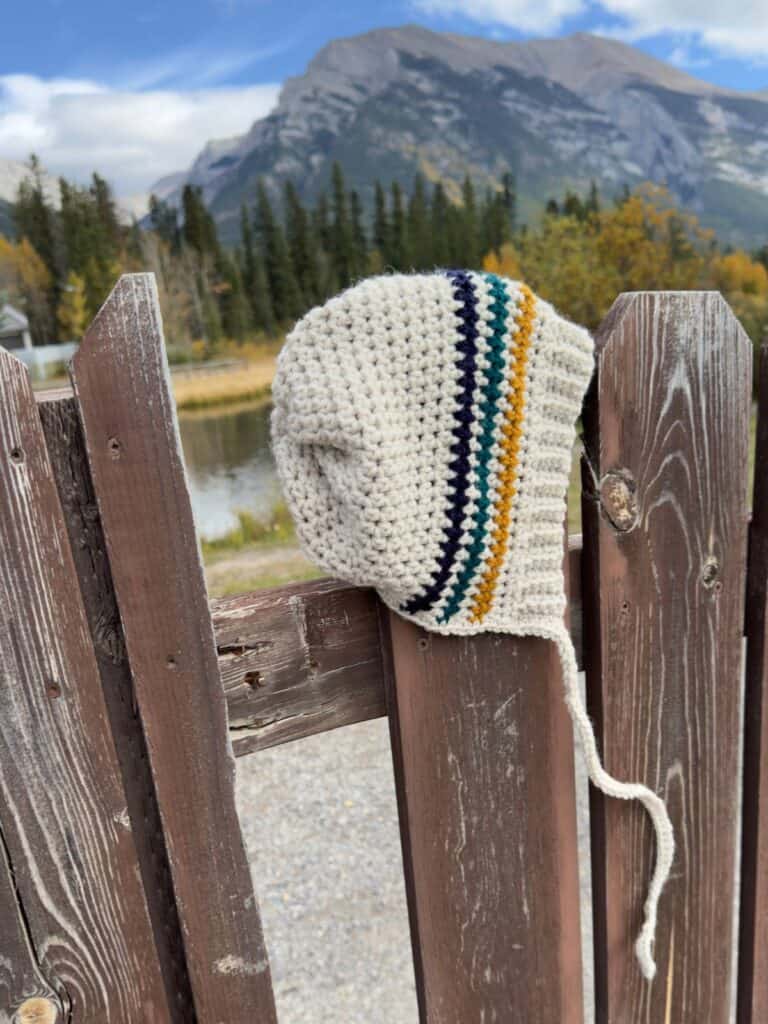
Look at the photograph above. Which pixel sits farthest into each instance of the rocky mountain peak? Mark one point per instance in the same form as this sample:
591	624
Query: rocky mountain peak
557	112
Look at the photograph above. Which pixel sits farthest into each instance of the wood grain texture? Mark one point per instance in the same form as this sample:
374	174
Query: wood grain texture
664	571
121	383
69	462
298	660
753	921
62	805
20	975
483	757
306	657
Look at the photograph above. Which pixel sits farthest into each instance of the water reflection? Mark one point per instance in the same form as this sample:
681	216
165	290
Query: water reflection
229	464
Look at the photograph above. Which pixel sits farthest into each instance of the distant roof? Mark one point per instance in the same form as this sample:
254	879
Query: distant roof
11	320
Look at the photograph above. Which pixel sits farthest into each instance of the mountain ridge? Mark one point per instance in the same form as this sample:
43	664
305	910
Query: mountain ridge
558	112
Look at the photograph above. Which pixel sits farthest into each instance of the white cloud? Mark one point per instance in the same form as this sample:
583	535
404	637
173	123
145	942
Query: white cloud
682	57
131	137
525	15
737	28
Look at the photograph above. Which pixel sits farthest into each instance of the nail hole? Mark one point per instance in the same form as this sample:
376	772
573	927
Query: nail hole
114	448
171	662
53	689
253	679
17	455
422	643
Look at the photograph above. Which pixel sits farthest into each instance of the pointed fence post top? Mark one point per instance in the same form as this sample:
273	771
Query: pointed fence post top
668	307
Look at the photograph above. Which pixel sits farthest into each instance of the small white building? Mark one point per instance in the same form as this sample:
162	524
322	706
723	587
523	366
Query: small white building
14	329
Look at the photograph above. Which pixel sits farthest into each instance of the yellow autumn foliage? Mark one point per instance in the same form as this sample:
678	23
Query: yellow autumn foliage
738	272
25	281
505	263
72	314
582	263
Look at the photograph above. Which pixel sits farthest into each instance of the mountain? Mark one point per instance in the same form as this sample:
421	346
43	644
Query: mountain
558	112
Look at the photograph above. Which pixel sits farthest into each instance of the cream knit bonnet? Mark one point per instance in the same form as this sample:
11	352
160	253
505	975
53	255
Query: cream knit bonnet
423	426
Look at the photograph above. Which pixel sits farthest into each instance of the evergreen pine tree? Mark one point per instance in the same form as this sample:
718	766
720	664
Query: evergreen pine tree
509	200
381	226
470	226
492	223
233	304
261	300
398	256
592	204
323	232
283	287
419	235
199	229
34	220
321	223
342	244
438	222
301	245
359	265
106	216
211	316
573	206
247	251
164	219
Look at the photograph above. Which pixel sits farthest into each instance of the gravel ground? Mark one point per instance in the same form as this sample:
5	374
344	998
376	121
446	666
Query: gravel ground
320	823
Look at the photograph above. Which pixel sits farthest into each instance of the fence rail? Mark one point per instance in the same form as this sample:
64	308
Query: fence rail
124	891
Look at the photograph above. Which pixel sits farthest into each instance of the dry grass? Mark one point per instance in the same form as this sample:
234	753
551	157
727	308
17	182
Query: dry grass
241	384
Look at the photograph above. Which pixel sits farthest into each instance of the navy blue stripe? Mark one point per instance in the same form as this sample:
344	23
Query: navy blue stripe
466	349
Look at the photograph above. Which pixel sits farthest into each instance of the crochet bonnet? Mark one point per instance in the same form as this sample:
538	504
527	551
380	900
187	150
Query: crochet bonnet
423	426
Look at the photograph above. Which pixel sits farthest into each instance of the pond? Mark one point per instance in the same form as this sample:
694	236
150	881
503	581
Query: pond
229	464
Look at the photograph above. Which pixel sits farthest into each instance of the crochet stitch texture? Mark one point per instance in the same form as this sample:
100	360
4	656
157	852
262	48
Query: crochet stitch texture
423	427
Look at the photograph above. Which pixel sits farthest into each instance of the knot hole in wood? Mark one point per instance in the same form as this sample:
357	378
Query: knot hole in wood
710	574
618	499
38	1011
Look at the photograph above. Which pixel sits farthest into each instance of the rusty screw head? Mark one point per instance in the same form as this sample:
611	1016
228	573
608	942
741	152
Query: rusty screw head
619	500
37	1011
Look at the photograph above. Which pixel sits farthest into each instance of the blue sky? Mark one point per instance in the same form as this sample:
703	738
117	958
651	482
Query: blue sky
136	89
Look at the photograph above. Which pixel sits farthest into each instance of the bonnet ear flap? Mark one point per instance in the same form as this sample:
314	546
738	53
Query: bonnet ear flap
606	783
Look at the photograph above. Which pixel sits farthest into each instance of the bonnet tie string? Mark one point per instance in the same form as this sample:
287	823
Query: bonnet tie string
606	783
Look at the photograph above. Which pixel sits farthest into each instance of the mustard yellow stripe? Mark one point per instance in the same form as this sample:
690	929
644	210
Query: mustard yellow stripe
511	433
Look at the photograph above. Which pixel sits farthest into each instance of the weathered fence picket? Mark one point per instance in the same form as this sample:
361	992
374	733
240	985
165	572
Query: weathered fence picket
121	383
495	931
753	946
69	462
65	828
125	895
664	556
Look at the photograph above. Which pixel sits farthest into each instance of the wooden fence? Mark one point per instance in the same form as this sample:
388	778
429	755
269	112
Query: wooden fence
125	894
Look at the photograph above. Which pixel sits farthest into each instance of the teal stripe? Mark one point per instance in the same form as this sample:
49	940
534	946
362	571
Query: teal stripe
487	409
